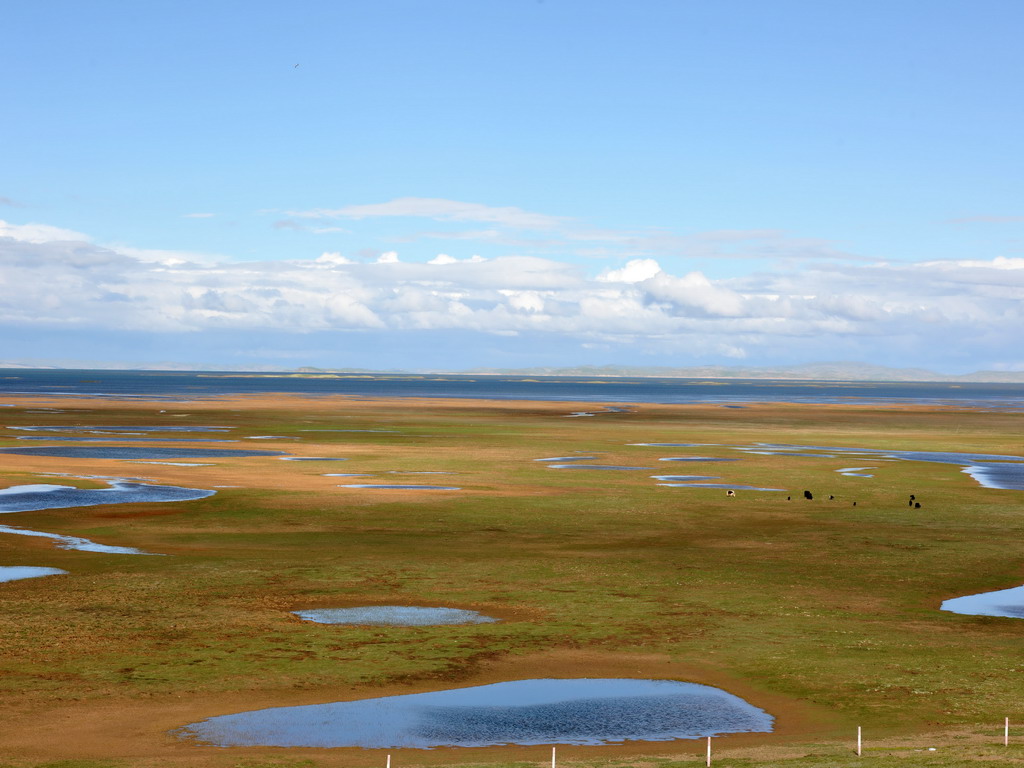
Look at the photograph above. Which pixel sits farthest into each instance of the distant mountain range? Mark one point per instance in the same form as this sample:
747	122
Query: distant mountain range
842	371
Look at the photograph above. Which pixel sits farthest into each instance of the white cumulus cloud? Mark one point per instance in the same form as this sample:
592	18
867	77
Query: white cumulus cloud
56	279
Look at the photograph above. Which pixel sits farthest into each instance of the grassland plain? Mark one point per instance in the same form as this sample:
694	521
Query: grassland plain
823	613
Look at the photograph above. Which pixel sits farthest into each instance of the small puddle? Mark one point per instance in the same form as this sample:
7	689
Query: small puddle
82	428
719	485
113	438
134	452
394	616
854	471
592	466
311	458
402	487
74	542
18	572
568	458
547	711
684	478
694	458
673	445
1003	602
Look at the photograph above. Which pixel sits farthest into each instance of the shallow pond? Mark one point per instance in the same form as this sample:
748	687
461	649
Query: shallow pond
74	542
81	428
134	452
719	485
122	439
402	487
1003	602
591	466
394	616
576	711
32	498
684	478
990	470
1000	475
673	445
18	572
854	471
695	458
568	458
311	458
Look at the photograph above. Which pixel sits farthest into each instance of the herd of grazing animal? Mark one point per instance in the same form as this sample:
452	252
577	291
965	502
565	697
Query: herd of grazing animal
810	497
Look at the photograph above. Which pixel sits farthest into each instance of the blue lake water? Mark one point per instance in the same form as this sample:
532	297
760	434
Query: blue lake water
1003	602
18	572
394	616
197	385
134	452
548	711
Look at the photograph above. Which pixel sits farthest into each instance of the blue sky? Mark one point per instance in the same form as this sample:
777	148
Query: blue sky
510	183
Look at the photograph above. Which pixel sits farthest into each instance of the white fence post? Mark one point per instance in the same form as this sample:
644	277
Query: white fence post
389	761
709	752
552	757
1006	733
858	741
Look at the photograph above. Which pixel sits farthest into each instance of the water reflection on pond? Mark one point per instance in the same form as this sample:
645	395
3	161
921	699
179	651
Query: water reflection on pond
547	711
394	616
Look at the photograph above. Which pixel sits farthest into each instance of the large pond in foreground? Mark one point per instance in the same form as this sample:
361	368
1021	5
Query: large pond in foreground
578	711
1003	602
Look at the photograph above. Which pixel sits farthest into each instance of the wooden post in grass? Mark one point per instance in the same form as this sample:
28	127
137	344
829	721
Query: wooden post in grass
858	741
709	752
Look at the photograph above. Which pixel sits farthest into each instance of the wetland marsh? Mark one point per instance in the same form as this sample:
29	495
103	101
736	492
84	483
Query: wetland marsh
822	614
